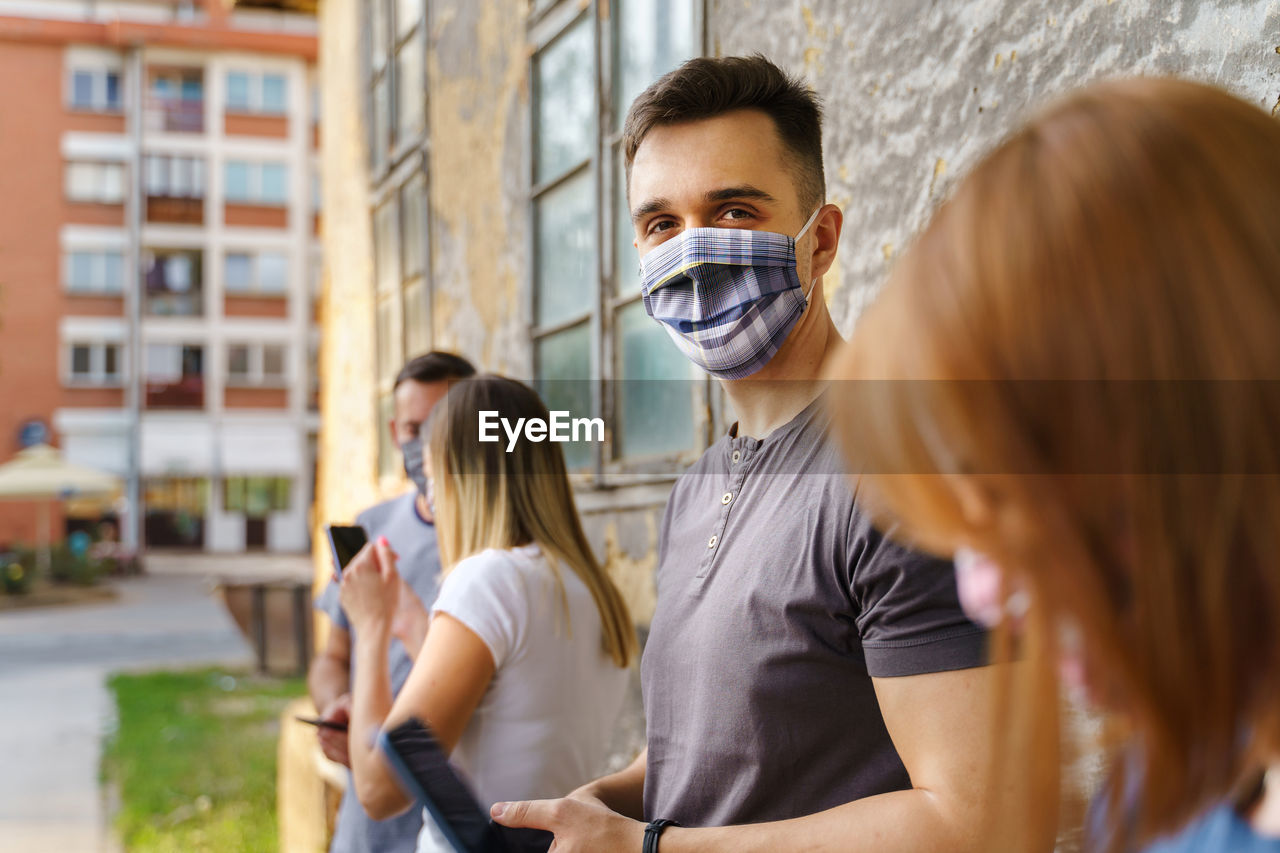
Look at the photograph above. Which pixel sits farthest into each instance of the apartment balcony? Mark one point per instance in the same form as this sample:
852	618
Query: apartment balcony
173	210
186	392
175	115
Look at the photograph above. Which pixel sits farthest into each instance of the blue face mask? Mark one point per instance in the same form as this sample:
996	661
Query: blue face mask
412	450
728	297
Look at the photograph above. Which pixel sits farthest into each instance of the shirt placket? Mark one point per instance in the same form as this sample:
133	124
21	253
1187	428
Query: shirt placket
740	457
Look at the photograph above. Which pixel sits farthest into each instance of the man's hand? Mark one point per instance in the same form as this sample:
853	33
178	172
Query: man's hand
334	743
579	827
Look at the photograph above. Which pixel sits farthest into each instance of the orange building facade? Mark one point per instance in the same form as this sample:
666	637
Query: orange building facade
158	260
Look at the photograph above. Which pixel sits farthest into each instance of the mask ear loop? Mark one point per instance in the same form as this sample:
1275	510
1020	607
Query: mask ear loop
813	282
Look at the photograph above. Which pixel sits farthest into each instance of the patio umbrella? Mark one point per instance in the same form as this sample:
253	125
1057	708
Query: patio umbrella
41	474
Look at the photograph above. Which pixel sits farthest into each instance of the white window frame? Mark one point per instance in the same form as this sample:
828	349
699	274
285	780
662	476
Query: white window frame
256	377
99	284
160	172
98	100
102	196
255	287
97	377
257	88
255	168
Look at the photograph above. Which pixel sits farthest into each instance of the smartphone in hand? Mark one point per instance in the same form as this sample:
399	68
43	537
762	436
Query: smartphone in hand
345	541
322	724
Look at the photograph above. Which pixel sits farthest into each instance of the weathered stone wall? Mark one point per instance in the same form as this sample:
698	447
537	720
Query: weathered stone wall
478	102
917	90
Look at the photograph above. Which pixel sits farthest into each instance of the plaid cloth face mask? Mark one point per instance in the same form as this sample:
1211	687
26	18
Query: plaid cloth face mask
728	297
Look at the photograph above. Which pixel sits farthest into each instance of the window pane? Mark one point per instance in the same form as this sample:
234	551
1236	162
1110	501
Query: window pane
417	320
413	201
385	246
564	382
238	272
626	261
390	352
236	178
655	398
80	271
111	361
381	124
192	89
565	81
157	182
238	361
378	23
238	91
82	89
410	90
113	90
652	39
113	272
275	97
566	272
408	13
82	181
273	362
112	183
275	183
81	359
273	272
163	362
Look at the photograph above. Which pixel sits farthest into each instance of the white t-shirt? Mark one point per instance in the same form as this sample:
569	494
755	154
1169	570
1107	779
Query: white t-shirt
545	723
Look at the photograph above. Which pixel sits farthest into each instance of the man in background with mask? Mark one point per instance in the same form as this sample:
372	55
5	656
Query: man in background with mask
407	523
803	673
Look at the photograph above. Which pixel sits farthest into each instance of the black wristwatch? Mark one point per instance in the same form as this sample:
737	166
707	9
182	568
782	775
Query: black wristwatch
653	832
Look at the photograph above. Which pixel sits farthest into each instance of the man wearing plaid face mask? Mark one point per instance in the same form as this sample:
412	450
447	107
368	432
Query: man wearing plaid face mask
798	662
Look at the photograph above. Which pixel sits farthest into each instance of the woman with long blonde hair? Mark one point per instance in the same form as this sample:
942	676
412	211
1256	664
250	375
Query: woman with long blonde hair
523	668
1086	395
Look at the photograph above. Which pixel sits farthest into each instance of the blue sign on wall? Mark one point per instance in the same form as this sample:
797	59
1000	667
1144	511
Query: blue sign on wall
32	432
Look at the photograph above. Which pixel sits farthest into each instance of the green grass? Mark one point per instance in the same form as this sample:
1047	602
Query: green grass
193	758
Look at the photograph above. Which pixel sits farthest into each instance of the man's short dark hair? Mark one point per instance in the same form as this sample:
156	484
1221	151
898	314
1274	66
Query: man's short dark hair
705	88
435	366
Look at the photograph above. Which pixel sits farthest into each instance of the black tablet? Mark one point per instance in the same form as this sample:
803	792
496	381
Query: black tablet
426	775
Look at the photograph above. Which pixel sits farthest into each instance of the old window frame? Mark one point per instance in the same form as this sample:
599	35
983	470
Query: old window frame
548	22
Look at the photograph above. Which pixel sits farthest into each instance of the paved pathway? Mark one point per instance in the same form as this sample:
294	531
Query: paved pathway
54	706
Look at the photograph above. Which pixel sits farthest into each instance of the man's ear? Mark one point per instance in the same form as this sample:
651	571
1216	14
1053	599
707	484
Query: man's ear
826	239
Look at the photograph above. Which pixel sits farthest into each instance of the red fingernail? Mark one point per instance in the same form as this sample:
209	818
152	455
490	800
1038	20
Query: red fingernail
382	540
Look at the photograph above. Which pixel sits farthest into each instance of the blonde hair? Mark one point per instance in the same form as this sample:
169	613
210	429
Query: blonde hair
1056	362
487	497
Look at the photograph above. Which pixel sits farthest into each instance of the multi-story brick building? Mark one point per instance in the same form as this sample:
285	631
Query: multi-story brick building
158	253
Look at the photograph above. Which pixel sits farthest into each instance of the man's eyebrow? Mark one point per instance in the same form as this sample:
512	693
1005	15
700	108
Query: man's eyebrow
654	205
744	191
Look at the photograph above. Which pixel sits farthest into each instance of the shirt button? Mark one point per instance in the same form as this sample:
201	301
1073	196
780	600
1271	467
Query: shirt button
726	497
711	543
737	456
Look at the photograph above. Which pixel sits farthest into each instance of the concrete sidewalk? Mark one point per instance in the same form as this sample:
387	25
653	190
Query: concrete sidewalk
54	706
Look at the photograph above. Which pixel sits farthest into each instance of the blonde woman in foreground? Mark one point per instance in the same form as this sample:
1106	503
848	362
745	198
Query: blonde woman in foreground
523	669
1094	328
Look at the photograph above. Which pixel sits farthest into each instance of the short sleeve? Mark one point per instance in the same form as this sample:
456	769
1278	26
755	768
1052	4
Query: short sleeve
328	602
485	592
909	619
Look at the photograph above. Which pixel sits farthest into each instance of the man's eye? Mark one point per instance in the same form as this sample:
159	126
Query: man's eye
737	213
661	225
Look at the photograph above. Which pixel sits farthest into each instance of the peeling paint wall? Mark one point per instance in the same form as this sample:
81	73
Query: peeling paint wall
916	91
478	103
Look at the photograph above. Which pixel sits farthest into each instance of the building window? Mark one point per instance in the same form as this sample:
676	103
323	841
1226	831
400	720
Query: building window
174	187
95	90
256	496
95	183
93	271
176	100
256	183
252	92
397	78
174	282
264	273
586	294
256	365
174	375
94	364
